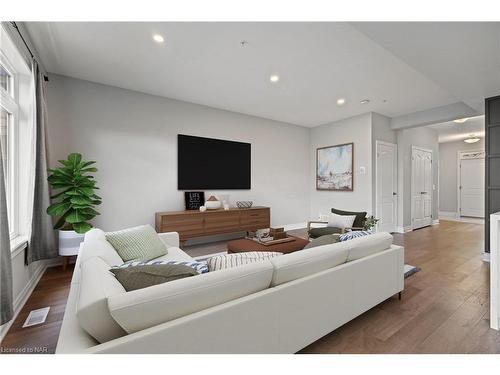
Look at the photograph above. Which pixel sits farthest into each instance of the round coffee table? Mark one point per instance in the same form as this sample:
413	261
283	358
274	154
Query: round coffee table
244	245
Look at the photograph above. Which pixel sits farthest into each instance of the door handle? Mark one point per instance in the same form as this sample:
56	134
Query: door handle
423	192
393	193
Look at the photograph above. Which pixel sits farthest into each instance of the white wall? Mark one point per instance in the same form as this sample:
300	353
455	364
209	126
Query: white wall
356	129
448	169
421	137
133	138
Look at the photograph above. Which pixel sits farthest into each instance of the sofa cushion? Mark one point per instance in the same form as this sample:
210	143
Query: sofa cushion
96	285
138	243
199	267
174	253
364	246
139	277
327	239
359	221
158	304
354	234
307	262
323	231
219	262
95	245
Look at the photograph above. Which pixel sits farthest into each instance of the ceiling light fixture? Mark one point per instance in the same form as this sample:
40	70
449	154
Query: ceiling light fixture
158	38
365	101
460	120
472	139
274	78
341	101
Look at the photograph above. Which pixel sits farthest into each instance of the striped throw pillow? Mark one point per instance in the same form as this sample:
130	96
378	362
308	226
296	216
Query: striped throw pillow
138	243
200	267
220	262
354	234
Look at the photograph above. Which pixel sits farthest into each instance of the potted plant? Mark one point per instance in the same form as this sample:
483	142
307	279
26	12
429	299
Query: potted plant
370	222
74	201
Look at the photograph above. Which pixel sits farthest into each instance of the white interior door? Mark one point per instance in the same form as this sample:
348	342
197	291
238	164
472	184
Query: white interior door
386	185
421	165
472	187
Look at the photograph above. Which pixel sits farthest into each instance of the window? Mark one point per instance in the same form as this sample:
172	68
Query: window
9	140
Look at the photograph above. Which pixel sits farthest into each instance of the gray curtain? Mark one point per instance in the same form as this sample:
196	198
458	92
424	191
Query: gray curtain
6	309
43	241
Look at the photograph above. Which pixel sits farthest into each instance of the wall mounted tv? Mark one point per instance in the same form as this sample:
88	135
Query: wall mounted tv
206	163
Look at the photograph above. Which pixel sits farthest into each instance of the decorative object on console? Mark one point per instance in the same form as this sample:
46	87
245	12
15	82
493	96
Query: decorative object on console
74	204
244	204
334	167
213	203
370	222
203	208
194	199
223	261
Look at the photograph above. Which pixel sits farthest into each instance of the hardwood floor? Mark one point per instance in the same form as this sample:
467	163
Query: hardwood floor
52	290
444	307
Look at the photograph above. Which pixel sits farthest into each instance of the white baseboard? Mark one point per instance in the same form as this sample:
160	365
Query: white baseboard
448	215
295	226
486	257
26	292
435	222
401	229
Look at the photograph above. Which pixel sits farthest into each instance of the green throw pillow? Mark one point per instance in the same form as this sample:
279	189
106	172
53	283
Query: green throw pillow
139	243
139	277
323	240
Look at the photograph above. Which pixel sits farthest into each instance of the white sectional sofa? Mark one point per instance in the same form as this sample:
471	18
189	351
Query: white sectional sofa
276	306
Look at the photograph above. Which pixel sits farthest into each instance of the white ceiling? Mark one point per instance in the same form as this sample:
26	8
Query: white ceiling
401	67
451	131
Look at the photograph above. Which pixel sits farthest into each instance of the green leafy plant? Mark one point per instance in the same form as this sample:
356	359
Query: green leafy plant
74	203
370	222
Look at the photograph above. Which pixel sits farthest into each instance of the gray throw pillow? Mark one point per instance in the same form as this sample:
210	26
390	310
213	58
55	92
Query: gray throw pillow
138	243
323	240
139	277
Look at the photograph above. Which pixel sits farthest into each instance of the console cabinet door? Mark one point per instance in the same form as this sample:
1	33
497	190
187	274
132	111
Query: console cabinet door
255	219
221	222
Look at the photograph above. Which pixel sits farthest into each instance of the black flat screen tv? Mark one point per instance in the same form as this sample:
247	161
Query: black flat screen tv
206	163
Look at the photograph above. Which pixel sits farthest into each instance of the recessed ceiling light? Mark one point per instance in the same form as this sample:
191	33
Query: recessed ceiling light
471	139
158	38
274	78
460	120
341	101
365	101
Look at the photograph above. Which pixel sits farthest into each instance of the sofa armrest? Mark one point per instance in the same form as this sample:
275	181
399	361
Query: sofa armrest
315	222
171	239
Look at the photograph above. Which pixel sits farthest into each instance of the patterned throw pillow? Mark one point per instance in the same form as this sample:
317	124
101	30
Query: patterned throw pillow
200	267
138	243
220	262
354	234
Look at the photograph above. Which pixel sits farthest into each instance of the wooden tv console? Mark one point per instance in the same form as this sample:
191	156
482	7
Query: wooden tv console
191	224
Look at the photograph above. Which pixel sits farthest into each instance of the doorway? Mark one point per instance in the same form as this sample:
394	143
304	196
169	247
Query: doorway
421	187
386	184
471	168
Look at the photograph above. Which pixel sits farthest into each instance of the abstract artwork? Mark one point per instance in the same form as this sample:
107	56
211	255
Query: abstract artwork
334	167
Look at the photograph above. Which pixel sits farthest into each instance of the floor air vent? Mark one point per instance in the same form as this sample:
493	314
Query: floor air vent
36	317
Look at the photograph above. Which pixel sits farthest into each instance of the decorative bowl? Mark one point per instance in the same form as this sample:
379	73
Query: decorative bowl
213	205
244	204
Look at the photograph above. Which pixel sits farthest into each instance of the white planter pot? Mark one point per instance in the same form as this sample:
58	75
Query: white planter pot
69	242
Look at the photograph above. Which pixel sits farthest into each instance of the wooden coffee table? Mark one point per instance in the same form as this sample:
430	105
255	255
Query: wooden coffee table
244	245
